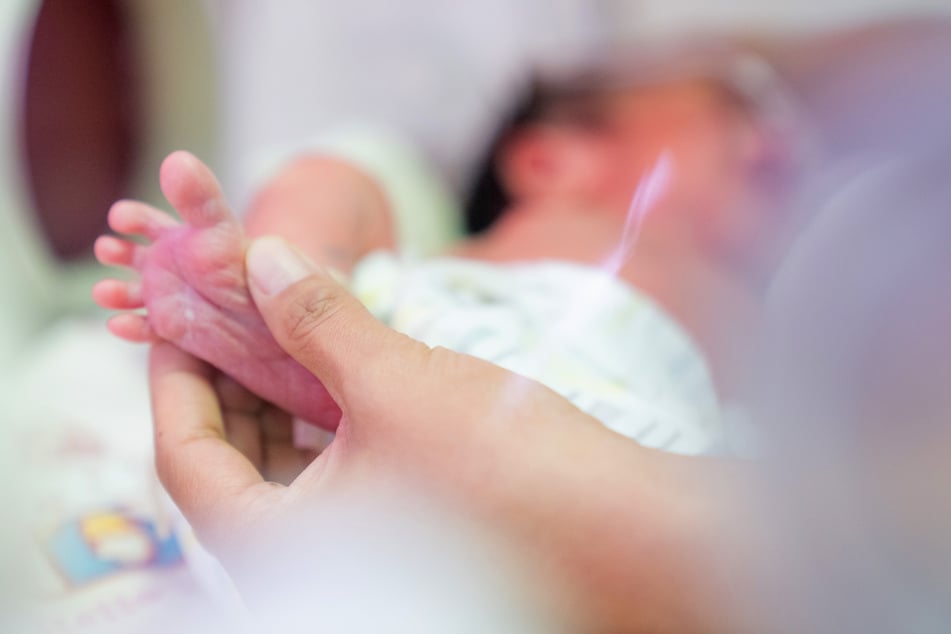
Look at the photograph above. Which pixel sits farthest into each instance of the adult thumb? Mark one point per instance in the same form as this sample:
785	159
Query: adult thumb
316	320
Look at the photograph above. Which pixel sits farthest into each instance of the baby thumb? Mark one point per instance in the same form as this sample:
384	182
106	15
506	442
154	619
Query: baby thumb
313	317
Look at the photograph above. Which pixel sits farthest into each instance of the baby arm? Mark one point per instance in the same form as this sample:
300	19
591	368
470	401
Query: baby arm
329	209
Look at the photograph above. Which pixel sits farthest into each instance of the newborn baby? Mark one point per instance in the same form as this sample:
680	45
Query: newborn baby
618	305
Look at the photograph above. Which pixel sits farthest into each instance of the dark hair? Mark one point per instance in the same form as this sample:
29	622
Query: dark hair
487	199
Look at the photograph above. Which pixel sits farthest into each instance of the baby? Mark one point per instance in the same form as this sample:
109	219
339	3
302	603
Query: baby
624	273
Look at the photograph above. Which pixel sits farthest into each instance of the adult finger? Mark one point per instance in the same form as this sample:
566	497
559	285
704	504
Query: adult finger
206	477
318	322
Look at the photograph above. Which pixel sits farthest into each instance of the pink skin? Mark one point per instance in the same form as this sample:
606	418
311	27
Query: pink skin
192	285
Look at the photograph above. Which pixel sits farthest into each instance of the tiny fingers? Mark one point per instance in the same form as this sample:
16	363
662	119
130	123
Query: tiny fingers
118	294
193	190
132	327
113	251
132	217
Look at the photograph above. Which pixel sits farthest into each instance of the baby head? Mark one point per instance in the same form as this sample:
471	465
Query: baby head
718	115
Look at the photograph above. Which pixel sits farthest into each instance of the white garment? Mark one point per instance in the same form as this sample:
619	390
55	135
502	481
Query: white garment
595	340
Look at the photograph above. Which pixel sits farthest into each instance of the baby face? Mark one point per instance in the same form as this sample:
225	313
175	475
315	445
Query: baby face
591	151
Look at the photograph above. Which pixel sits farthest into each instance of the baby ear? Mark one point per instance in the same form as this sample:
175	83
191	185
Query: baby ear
539	161
527	162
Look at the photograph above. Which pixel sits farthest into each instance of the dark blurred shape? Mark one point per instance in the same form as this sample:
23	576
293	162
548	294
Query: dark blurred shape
80	115
487	199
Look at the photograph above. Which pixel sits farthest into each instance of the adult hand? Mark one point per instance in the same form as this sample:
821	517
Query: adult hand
602	513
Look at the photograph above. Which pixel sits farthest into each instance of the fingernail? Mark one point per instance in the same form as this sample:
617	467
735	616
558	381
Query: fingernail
273	265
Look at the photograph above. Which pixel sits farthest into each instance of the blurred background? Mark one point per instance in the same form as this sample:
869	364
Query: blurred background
96	93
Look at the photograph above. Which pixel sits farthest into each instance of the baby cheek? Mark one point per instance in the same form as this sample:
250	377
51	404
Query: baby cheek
607	178
622	180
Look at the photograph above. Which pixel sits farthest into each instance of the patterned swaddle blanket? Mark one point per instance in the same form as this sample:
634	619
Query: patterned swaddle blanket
595	340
